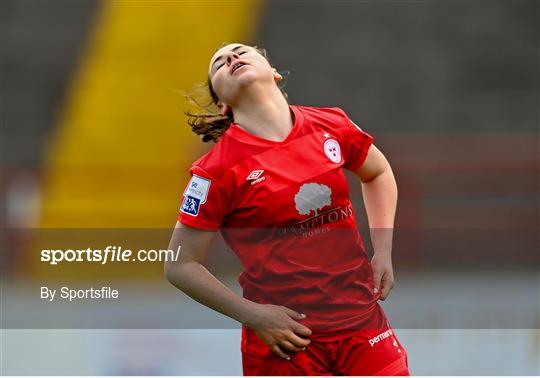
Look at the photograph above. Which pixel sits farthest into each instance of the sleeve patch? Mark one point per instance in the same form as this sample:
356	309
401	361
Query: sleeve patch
195	195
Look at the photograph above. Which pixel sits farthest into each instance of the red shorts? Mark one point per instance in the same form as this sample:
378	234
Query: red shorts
373	352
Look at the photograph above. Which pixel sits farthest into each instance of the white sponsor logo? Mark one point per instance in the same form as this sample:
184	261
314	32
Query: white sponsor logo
255	176
380	337
332	150
312	197
313	201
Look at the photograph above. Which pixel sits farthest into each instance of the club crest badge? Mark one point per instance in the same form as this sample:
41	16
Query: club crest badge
332	150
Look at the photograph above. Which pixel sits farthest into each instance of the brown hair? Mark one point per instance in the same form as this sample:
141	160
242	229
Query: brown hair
207	120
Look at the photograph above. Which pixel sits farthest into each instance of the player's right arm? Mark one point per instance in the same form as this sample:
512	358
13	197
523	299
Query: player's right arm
275	325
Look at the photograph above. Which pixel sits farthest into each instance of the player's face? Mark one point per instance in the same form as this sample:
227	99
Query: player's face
234	67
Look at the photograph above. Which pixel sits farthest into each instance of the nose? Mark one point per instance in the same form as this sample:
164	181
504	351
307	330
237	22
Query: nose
230	57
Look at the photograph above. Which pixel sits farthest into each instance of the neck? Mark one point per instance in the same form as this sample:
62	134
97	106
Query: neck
264	113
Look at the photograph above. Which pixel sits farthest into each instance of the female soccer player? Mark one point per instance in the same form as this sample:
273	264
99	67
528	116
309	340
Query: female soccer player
274	185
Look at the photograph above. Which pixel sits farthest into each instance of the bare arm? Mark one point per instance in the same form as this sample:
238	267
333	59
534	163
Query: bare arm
274	324
189	275
380	198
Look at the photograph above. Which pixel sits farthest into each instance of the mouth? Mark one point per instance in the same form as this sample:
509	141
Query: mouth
237	66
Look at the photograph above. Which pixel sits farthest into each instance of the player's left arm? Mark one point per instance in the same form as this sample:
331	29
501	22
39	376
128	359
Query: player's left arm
380	199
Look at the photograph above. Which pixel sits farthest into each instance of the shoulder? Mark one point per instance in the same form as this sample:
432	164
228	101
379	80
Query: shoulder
337	122
218	160
334	114
210	164
331	119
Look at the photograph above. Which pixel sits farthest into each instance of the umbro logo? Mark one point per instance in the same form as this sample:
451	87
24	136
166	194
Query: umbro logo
256	176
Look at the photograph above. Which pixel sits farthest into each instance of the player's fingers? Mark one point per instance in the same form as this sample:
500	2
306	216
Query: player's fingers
290	346
298	341
294	314
377	277
302	330
277	350
386	286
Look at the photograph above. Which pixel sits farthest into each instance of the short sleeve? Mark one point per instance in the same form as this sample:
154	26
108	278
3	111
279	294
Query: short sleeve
355	143
204	202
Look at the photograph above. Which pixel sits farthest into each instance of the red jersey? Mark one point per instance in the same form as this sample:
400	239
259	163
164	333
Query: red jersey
284	209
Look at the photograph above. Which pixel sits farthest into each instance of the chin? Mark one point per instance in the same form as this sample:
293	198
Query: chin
247	77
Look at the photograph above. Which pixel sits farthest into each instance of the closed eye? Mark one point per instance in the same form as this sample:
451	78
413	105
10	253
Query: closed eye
222	64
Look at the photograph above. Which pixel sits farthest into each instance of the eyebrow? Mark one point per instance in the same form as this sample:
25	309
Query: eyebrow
221	56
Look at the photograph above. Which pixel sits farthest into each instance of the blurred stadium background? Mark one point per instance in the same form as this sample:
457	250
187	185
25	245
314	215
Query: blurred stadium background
93	136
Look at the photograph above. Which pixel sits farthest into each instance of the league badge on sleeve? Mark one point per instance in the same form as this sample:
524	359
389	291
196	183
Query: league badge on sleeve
195	195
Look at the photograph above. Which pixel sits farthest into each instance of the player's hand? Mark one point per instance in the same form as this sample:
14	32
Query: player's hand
278	327
383	274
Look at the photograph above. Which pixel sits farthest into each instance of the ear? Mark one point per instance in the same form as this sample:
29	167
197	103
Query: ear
277	75
224	109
